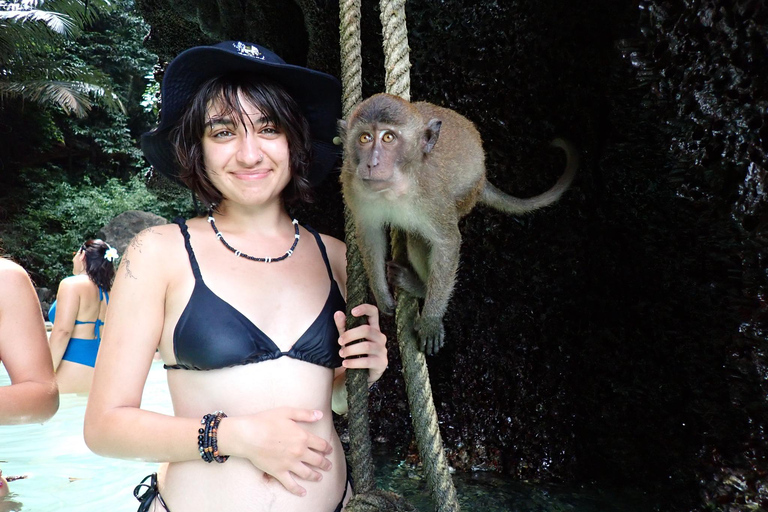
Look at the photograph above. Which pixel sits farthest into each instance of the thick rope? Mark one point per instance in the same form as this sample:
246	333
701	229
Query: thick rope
360	456
367	498
423	414
351	60
397	65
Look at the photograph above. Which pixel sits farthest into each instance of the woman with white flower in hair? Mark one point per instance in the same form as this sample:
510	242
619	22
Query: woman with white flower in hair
78	315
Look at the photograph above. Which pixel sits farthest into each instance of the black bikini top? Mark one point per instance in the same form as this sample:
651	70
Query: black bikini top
212	334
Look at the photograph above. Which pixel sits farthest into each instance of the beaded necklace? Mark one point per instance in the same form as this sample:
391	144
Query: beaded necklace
252	258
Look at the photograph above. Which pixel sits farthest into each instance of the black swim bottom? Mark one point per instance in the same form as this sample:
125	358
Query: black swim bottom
146	493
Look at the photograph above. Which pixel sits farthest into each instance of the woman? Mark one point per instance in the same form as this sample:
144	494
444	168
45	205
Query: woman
245	305
32	396
78	315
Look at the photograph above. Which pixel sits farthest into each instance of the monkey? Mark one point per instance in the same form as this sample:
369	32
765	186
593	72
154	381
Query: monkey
420	168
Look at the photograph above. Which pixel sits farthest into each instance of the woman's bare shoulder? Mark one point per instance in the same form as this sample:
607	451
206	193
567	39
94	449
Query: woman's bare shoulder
337	255
78	282
155	239
11	272
336	249
13	278
334	244
153	253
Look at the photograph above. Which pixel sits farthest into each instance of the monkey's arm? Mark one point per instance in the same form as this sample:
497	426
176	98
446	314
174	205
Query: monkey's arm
372	242
443	263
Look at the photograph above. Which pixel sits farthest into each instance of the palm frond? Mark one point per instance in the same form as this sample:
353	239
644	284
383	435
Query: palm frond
61	94
72	97
84	12
59	23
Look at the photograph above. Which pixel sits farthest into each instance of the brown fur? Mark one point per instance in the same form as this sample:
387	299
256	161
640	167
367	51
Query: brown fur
420	168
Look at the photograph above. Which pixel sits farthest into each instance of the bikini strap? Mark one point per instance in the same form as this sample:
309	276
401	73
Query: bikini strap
321	245
192	260
103	294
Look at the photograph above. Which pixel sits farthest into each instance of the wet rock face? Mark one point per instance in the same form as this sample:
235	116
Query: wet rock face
302	32
705	65
706	61
619	335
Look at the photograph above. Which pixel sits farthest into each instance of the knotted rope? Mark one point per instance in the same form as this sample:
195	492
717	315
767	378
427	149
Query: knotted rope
424	417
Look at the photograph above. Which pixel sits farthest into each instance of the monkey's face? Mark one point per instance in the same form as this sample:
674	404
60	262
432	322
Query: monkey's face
378	152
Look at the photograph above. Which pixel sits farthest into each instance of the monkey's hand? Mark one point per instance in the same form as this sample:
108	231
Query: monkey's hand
431	334
401	276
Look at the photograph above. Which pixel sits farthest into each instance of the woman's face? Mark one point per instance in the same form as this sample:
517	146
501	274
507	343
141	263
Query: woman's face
248	162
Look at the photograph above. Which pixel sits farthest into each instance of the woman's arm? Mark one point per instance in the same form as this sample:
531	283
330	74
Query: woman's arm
366	340
67	307
115	425
32	396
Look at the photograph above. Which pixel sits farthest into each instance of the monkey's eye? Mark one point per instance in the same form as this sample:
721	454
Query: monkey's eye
388	137
365	138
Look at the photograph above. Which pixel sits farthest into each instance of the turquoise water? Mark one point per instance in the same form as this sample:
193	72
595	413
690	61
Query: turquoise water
64	476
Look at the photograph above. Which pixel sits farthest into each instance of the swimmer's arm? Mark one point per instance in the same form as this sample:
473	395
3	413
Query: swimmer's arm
115	425
32	396
67	306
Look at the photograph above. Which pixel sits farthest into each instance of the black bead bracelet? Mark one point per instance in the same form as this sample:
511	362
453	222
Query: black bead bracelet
207	439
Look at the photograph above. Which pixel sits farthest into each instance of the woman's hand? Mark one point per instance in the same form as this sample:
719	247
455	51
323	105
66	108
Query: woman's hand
364	346
276	443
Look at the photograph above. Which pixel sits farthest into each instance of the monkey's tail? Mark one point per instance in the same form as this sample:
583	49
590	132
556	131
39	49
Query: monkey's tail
497	199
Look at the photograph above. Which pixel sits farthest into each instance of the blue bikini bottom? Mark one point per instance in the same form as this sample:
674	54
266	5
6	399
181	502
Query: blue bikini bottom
80	350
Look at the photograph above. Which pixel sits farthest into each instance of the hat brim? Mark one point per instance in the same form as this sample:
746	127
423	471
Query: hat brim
317	94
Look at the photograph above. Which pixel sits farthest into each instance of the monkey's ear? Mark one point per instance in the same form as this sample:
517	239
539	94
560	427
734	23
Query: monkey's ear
341	125
431	134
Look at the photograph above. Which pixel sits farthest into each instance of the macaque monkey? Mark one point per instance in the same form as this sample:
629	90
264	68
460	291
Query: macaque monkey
420	168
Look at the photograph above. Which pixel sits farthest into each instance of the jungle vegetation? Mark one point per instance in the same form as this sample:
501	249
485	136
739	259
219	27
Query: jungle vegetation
76	92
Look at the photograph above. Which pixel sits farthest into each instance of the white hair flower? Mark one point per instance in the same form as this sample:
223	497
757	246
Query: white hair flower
111	254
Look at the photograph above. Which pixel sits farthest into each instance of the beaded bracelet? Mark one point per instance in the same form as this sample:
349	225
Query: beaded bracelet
202	437
207	439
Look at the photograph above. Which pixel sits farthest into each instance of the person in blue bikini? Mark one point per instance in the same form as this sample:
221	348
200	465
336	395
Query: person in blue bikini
78	315
245	304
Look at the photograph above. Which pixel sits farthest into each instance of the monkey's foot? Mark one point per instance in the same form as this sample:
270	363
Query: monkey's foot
431	334
400	276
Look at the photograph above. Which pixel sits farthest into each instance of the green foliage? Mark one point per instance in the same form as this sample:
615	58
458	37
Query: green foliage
61	215
33	69
63	177
150	100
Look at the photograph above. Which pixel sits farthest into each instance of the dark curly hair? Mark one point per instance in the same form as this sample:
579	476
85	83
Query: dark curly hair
99	269
276	106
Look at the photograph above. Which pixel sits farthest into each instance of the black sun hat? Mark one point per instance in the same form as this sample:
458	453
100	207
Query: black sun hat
317	94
